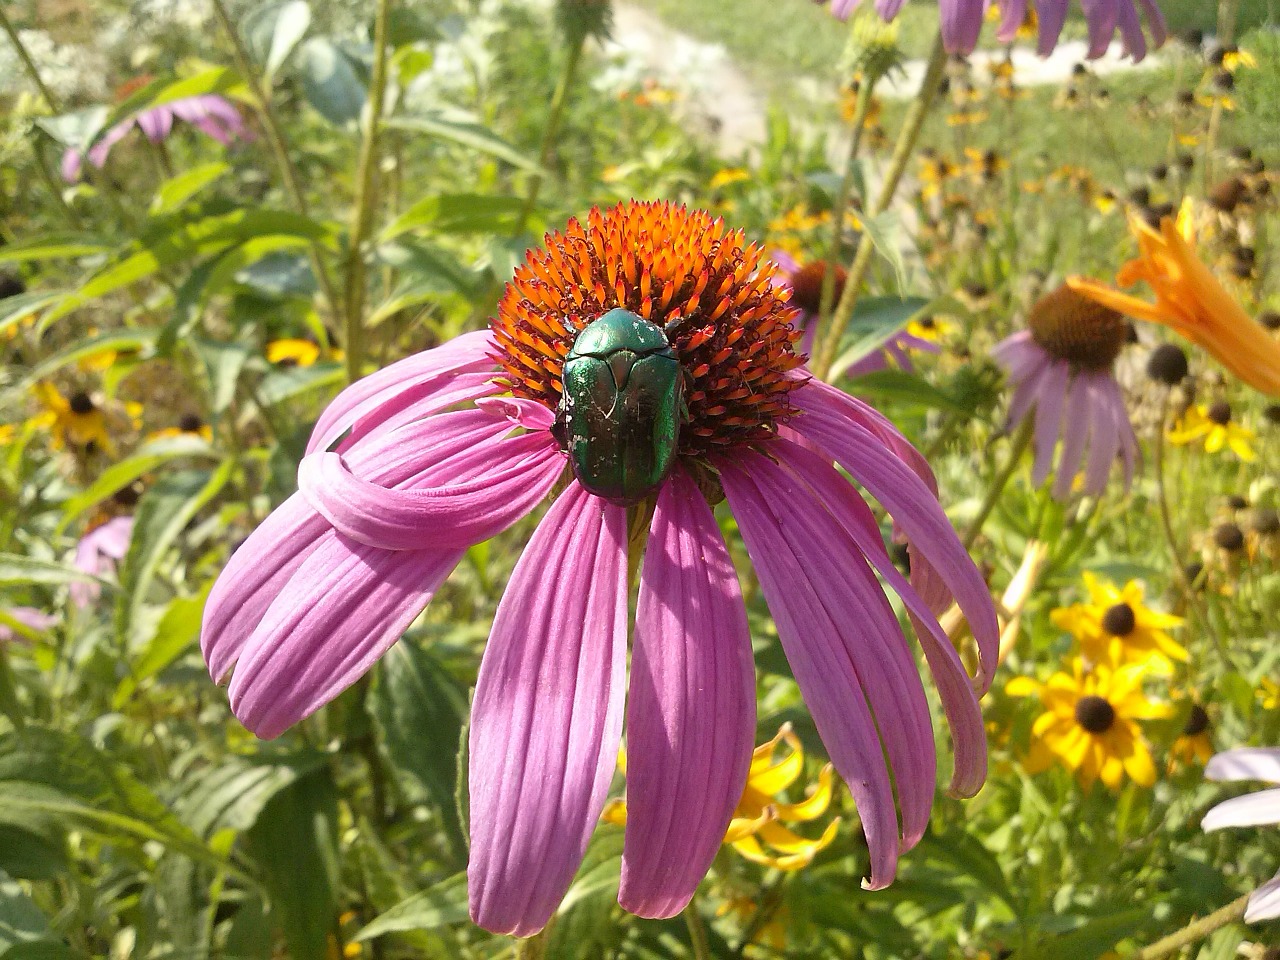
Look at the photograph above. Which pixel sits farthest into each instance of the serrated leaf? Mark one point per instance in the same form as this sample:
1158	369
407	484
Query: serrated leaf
435	907
231	795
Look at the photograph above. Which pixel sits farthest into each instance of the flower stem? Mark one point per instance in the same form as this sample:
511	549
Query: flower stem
1021	441
902	152
29	63
558	101
863	107
1195	931
697	931
261	96
532	948
366	190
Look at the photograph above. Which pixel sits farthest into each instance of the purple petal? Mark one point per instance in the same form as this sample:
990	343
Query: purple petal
958	699
268	559
842	8
156	123
1101	17
888	9
1012	14
1075	434
70	167
961	24
547	716
1135	44
691	713
914	508
395	387
875	646
1156	22
1251	810
522	472
98	152
1052	14
1265	902
1105	444
1245	763
817	644
36	620
1050	399
343	608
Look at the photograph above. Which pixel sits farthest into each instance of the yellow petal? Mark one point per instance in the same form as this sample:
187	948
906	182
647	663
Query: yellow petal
815	805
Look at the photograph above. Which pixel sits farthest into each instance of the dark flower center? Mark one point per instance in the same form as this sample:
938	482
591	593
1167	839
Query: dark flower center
1072	327
1229	537
1267	522
715	295
1095	714
190	423
1167	364
1119	621
126	496
806	285
81	403
1197	721
1219	412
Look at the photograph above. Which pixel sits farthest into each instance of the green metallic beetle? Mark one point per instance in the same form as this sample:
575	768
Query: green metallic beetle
621	407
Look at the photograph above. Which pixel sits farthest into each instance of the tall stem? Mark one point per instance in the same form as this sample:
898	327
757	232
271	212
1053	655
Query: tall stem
558	101
1021	440
902	151
861	110
28	63
697	931
366	191
1195	931
279	148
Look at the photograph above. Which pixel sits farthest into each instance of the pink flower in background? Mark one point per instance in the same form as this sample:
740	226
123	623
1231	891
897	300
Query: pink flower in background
27	616
211	114
97	553
1061	371
410	466
962	22
805	284
1251	810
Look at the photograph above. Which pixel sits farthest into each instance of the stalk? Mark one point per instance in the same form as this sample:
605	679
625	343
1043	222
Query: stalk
1195	931
261	97
366	192
902	152
558	101
28	64
1021	441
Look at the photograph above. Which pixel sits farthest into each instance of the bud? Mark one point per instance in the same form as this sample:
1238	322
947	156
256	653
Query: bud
584	19
873	49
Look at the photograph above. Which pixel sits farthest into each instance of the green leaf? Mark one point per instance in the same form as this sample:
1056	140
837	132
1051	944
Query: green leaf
457	213
20	919
126	341
888	238
414	700
438	906
150	457
16	569
162	91
290	27
162	514
294	843
903	387
232	795
223	362
176	632
177	190
14	310
875	320
283	383
54	246
1092	938
330	82
463	128
78	129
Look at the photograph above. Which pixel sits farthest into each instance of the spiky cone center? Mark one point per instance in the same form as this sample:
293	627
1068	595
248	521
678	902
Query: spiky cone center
717	297
807	283
1074	328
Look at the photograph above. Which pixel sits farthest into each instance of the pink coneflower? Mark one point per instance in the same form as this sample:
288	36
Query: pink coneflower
97	554
1250	810
410	466
805	284
962	22
208	113
28	617
1061	369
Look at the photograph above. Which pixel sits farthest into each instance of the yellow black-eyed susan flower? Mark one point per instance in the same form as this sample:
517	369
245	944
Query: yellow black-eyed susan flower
292	353
76	422
1213	424
1116	624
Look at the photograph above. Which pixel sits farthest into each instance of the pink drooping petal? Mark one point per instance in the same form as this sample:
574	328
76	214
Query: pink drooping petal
259	570
343	608
888	9
1135	44
915	509
97	553
30	617
1052	15
1104	446
817	646
1101	16
99	151
1024	397
842	8
1245	763
524	469
1130	453
1013	12
547	716
873	640
961	24
1019	356
1264	904
691	711
1251	810
522	413
157	123
70	166
958	699
212	115
1156	22
1050	399
399	385
1077	426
